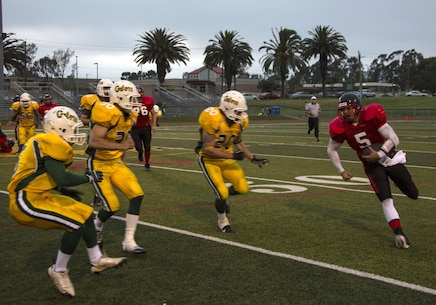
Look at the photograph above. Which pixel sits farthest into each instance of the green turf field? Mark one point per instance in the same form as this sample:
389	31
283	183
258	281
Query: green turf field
303	236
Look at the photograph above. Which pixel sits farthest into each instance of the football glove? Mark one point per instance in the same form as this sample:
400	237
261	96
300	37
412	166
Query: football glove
94	176
238	155
259	161
70	192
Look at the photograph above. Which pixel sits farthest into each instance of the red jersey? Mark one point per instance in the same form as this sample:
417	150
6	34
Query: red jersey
143	111
43	108
364	133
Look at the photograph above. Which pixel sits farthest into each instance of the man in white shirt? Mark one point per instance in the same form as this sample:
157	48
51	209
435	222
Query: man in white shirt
312	110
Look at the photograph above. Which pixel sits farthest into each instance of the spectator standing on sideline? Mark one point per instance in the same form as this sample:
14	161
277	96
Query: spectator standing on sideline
221	129
42	168
142	130
366	130
27	117
109	140
46	105
312	110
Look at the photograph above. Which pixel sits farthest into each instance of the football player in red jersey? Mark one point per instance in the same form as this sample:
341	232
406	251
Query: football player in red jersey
47	104
5	143
366	131
221	130
141	131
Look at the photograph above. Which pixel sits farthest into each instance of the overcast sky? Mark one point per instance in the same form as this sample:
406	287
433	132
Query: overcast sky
106	32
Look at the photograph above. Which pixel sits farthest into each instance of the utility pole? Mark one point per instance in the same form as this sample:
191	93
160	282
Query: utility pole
360	74
2	58
77	78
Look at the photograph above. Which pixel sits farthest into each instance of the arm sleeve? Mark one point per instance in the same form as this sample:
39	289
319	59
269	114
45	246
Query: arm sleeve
56	170
389	133
332	152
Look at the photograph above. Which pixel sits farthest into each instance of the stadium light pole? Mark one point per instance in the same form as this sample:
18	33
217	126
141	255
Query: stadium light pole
96	63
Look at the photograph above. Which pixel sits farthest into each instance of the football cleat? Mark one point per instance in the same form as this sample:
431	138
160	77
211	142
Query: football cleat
96	201
227	229
401	241
62	281
147	167
132	247
106	263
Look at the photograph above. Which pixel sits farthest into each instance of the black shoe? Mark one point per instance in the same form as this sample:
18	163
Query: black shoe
308	132
147	167
96	202
227	229
317	140
141	156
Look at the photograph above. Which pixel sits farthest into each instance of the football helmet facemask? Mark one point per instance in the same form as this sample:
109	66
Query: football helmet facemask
349	106
124	94
64	122
25	99
103	87
233	105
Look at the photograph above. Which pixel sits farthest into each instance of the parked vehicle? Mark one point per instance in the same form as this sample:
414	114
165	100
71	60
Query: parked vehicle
268	96
249	96
367	93
301	94
416	93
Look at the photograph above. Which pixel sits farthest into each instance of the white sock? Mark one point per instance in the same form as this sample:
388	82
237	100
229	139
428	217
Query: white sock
131	223
94	254
389	210
98	224
62	260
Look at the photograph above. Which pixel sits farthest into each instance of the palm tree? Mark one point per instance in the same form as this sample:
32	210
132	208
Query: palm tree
15	55
163	48
283	53
228	51
328	45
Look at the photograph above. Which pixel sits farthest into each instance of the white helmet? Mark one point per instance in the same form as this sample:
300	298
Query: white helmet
64	122
233	105
25	99
124	93
103	87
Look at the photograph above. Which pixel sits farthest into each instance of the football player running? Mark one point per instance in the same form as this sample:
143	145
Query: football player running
47	104
145	125
220	129
109	140
42	168
27	117
366	131
87	102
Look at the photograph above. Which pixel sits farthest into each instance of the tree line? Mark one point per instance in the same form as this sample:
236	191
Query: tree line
285	63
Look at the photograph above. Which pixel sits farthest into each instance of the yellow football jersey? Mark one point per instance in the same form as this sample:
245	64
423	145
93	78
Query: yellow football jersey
118	127
26	116
30	174
88	101
213	121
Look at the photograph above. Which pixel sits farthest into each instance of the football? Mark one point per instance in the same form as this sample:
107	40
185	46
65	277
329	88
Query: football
375	146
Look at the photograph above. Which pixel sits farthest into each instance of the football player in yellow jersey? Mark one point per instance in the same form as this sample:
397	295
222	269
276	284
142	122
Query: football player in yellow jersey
87	102
221	129
42	167
27	117
108	143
